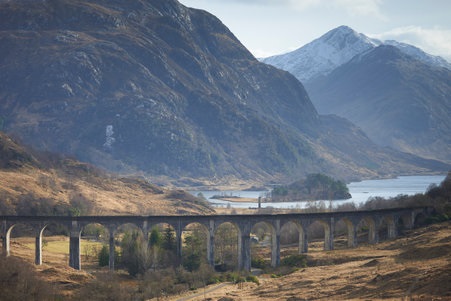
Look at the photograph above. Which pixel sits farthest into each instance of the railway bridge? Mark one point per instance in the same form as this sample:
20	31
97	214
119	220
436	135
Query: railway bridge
375	220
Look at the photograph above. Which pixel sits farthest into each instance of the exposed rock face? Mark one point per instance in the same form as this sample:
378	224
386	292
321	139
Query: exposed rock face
158	87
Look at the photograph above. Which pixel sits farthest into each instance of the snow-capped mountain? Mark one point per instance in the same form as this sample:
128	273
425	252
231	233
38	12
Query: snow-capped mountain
336	47
324	54
417	53
395	98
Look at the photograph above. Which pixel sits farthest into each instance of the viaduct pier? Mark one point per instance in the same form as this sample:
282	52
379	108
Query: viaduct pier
389	219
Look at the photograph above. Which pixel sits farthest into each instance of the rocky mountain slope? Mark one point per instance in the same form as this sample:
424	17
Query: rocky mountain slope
397	100
337	47
168	90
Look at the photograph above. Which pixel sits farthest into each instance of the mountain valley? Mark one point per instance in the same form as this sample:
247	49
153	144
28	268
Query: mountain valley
121	107
168	91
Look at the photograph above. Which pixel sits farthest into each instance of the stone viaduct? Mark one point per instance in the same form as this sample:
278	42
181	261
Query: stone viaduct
390	219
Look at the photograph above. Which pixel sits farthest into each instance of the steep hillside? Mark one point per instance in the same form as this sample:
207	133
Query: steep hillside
362	156
397	100
157	87
14	155
34	183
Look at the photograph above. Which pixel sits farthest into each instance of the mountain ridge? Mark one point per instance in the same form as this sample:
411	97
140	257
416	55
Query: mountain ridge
337	47
165	90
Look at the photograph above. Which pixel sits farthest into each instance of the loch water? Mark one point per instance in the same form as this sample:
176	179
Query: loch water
360	191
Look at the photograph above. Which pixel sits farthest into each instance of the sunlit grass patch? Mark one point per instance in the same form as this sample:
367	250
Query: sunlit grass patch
60	245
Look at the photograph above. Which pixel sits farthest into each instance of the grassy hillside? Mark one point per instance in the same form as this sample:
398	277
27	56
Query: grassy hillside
34	183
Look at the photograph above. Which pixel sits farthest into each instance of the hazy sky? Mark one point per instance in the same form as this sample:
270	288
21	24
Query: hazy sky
268	27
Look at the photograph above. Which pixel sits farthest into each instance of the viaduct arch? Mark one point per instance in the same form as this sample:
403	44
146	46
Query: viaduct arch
244	224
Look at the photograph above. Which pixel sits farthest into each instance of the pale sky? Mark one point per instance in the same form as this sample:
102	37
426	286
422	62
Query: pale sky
268	27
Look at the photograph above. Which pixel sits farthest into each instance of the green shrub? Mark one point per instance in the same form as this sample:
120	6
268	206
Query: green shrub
259	263
104	256
298	260
438	218
232	277
192	262
252	278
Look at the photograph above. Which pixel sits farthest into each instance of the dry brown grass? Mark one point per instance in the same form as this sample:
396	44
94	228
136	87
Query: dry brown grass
107	195
414	267
55	268
59	181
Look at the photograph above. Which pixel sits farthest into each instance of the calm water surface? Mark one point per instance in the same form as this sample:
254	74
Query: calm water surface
360	191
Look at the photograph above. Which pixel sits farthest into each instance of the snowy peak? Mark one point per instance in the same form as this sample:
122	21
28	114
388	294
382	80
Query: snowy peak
324	54
419	54
342	37
335	48
342	44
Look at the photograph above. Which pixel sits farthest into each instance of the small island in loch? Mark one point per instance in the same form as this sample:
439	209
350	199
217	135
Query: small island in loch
313	187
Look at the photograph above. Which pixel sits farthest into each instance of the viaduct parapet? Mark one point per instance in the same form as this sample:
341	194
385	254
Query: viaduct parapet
374	219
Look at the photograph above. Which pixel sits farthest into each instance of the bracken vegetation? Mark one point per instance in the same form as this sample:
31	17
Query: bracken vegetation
20	281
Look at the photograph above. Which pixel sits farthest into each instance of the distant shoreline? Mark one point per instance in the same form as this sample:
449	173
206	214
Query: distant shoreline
235	199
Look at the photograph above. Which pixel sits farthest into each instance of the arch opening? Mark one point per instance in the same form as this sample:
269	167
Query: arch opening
262	244
402	224
387	228
291	239
19	240
164	245
293	242
54	239
195	246
133	249
345	235
319	233
94	246
420	220
226	247
366	231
